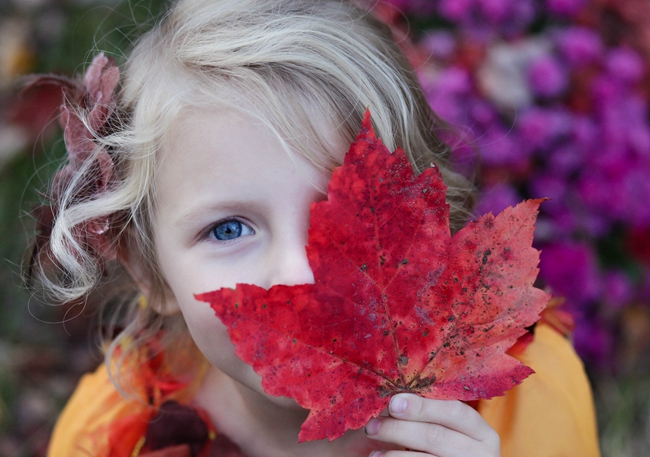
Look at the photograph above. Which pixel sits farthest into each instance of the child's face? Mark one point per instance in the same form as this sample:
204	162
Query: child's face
232	207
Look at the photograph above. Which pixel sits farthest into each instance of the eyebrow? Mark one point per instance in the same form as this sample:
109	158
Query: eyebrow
231	206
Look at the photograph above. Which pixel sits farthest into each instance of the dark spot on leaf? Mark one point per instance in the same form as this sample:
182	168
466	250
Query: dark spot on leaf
264	306
372	209
382	260
446	345
403	360
405	261
385	332
451	318
486	255
294	341
334	340
466	387
420	383
236	305
363	267
425	333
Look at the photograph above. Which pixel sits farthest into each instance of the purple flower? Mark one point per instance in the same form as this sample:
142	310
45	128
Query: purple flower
565	160
580	46
495	11
482	113
541	127
605	92
497	198
563	219
547	76
593	342
569	269
618	289
523	14
635	196
625	64
454	80
548	186
501	147
586	133
567	8
455	10
448	93
595	224
440	43
595	192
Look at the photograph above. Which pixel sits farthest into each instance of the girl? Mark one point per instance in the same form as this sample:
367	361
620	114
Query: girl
199	174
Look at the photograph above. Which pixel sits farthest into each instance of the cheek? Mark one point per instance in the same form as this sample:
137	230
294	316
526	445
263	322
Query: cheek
211	337
209	334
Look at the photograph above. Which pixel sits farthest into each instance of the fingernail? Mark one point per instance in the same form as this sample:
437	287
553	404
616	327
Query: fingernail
397	405
377	454
372	427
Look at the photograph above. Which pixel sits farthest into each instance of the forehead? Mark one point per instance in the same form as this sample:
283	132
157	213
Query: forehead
218	149
207	139
301	128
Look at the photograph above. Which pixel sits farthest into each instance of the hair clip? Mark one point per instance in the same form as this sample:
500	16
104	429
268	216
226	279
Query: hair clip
87	106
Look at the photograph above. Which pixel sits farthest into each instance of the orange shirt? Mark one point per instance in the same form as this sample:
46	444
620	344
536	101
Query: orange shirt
551	414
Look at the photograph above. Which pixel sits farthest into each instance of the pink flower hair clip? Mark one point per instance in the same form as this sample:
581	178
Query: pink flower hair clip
87	106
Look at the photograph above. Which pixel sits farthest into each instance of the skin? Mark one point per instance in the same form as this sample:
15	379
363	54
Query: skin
219	166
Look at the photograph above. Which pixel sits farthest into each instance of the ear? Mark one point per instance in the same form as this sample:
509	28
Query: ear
156	292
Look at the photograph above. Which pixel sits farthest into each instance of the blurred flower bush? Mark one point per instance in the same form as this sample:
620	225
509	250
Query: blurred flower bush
550	99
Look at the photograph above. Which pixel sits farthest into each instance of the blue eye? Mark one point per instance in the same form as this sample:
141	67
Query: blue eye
229	230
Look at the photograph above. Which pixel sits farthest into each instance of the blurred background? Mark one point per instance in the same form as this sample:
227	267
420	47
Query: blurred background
548	98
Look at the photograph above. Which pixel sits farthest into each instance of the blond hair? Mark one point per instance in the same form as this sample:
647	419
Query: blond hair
293	64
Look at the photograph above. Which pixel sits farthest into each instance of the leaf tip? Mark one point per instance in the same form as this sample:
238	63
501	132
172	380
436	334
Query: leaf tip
367	132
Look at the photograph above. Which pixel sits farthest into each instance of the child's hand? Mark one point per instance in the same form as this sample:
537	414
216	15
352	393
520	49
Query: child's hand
442	428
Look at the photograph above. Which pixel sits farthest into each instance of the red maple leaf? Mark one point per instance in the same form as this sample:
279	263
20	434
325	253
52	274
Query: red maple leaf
398	304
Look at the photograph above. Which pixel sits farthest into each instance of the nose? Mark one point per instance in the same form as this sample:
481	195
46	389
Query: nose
288	264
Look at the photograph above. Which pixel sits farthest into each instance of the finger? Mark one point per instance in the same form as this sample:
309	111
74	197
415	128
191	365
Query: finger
452	414
433	439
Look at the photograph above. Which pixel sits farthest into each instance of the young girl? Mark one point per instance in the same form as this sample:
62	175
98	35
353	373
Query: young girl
198	173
